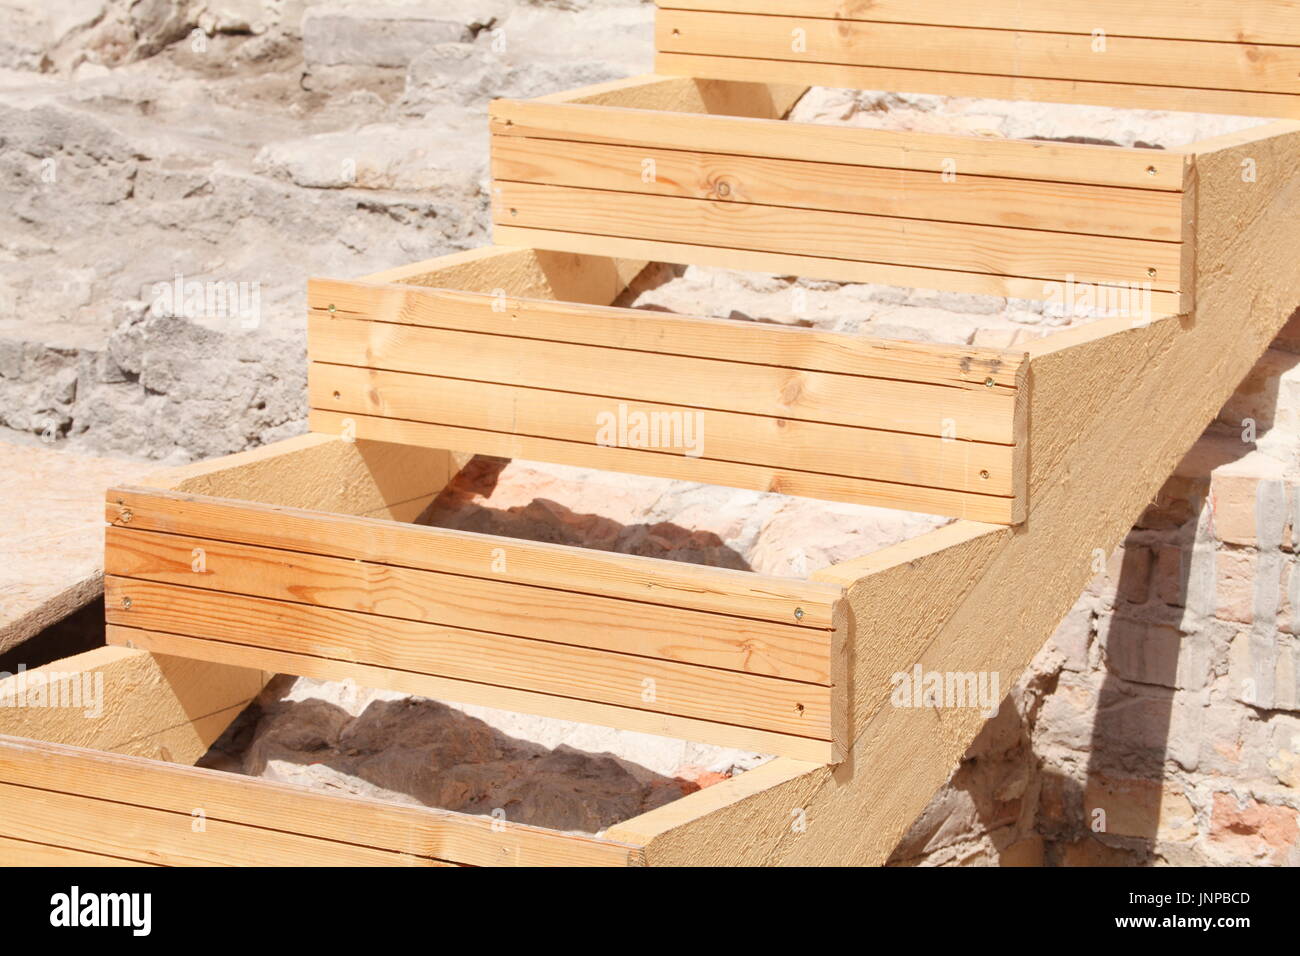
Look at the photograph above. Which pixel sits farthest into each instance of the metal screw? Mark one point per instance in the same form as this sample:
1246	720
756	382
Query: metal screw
984	474
989	383
514	212
126	603
798	614
331	308
1151	272
1151	170
126	516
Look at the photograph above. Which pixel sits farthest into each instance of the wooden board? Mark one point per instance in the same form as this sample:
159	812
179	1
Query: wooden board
947	246
727	402
1080	60
518	615
1253	21
1115	408
958	212
869	190
81	802
128	702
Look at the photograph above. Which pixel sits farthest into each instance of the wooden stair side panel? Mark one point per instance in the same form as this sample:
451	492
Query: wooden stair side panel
634	642
1164	59
964	213
1114	408
921	427
69	804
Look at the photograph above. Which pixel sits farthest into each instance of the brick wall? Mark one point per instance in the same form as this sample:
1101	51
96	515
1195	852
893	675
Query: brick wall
1161	723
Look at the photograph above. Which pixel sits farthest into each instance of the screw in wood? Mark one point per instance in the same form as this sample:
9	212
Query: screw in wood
126	516
798	614
1151	170
989	383
126	603
1151	273
331	308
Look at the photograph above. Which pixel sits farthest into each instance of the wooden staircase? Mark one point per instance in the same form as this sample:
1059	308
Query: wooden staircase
301	558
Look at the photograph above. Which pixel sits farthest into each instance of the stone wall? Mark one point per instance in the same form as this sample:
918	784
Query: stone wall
1161	724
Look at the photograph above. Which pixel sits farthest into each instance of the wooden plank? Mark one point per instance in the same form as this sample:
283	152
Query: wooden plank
671	583
401	832
488	695
319	471
816	142
1102	444
511	271
761	343
1063	56
703	693
1026	253
735	386
14	852
156	836
717	437
1244	21
127	701
1119	95
686	95
941	501
899	193
840	270
561	617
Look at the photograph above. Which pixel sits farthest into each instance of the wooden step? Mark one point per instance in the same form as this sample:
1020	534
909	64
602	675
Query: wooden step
1223	56
920	427
641	170
303	557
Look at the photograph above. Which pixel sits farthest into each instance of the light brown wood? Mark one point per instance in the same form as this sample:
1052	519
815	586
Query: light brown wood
686	95
1120	95
320	471
15	852
763	343
1244	21
528	272
735	386
903	193
130	702
688	434
1073	55
815	142
315	827
671	583
546	614
488	695
156	836
606	677
997	250
785	264
924	498
1101	445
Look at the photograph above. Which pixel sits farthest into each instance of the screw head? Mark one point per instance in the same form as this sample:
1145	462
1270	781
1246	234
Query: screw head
126	603
332	308
1151	272
798	614
1151	170
984	474
126	516
989	383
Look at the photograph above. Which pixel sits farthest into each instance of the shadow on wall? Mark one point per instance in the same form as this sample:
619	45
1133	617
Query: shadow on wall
1125	692
460	507
425	752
